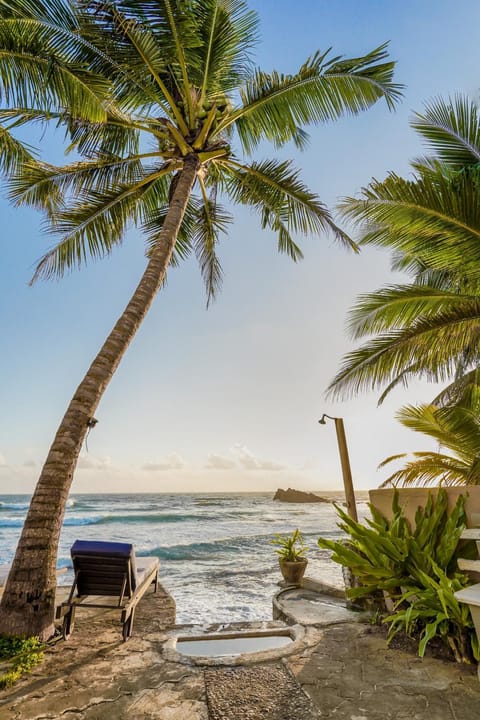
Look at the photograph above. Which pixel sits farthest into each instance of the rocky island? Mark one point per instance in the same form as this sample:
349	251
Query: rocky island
298	496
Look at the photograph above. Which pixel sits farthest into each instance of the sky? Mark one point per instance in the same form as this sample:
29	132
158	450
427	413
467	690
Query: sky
228	399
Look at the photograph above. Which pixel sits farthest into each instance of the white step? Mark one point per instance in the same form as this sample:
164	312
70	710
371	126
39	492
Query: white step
469	595
465	564
471	534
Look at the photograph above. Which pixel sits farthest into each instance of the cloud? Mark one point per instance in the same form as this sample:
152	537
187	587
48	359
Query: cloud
171	462
29	463
219	462
249	462
90	462
3	462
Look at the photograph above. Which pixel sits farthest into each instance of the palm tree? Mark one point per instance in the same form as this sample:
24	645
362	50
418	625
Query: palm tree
456	428
154	94
430	327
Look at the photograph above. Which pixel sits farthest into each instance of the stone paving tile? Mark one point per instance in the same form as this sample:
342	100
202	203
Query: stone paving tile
349	674
393	684
94	674
167	706
464	702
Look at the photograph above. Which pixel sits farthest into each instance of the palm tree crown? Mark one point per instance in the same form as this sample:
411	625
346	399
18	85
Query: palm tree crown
141	85
430	327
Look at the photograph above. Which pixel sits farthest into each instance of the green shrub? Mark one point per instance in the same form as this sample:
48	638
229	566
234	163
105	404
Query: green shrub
416	568
19	655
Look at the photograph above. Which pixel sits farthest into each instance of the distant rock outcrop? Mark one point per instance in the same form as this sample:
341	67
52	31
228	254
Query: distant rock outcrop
298	496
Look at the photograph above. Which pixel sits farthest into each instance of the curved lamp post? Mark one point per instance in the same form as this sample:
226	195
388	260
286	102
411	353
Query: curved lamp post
345	462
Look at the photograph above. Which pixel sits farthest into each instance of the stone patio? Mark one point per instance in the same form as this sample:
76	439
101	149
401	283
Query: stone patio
348	673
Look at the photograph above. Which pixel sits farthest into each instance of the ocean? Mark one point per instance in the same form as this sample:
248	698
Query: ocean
215	551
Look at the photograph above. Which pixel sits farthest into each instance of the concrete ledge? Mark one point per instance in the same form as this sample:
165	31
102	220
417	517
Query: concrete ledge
301	639
310	583
310	608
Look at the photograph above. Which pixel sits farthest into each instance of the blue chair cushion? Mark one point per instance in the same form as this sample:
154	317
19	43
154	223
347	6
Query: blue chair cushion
105	549
99	547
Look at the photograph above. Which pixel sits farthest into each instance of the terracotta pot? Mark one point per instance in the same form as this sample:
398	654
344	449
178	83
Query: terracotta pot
293	572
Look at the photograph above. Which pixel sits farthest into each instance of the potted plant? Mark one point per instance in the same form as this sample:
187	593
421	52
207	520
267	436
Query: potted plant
291	556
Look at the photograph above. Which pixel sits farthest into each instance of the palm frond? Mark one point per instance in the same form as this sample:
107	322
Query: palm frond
96	223
414	266
454	427
402	378
129	55
451	129
390	459
211	221
112	137
401	306
275	106
285	205
426	165
460	390
64	35
434	343
473	475
429	469
44	64
57	12
162	30
46	186
228	30
13	153
435	219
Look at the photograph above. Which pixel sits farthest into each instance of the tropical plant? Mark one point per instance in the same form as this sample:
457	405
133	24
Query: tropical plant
430	610
17	657
416	567
290	548
157	97
456	428
429	328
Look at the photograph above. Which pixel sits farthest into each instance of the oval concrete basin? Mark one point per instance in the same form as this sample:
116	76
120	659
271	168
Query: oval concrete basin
237	644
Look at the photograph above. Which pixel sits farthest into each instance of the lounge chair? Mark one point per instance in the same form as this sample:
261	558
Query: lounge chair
107	569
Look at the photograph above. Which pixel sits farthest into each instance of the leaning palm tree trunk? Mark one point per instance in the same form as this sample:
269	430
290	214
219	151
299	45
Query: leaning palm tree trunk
28	602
